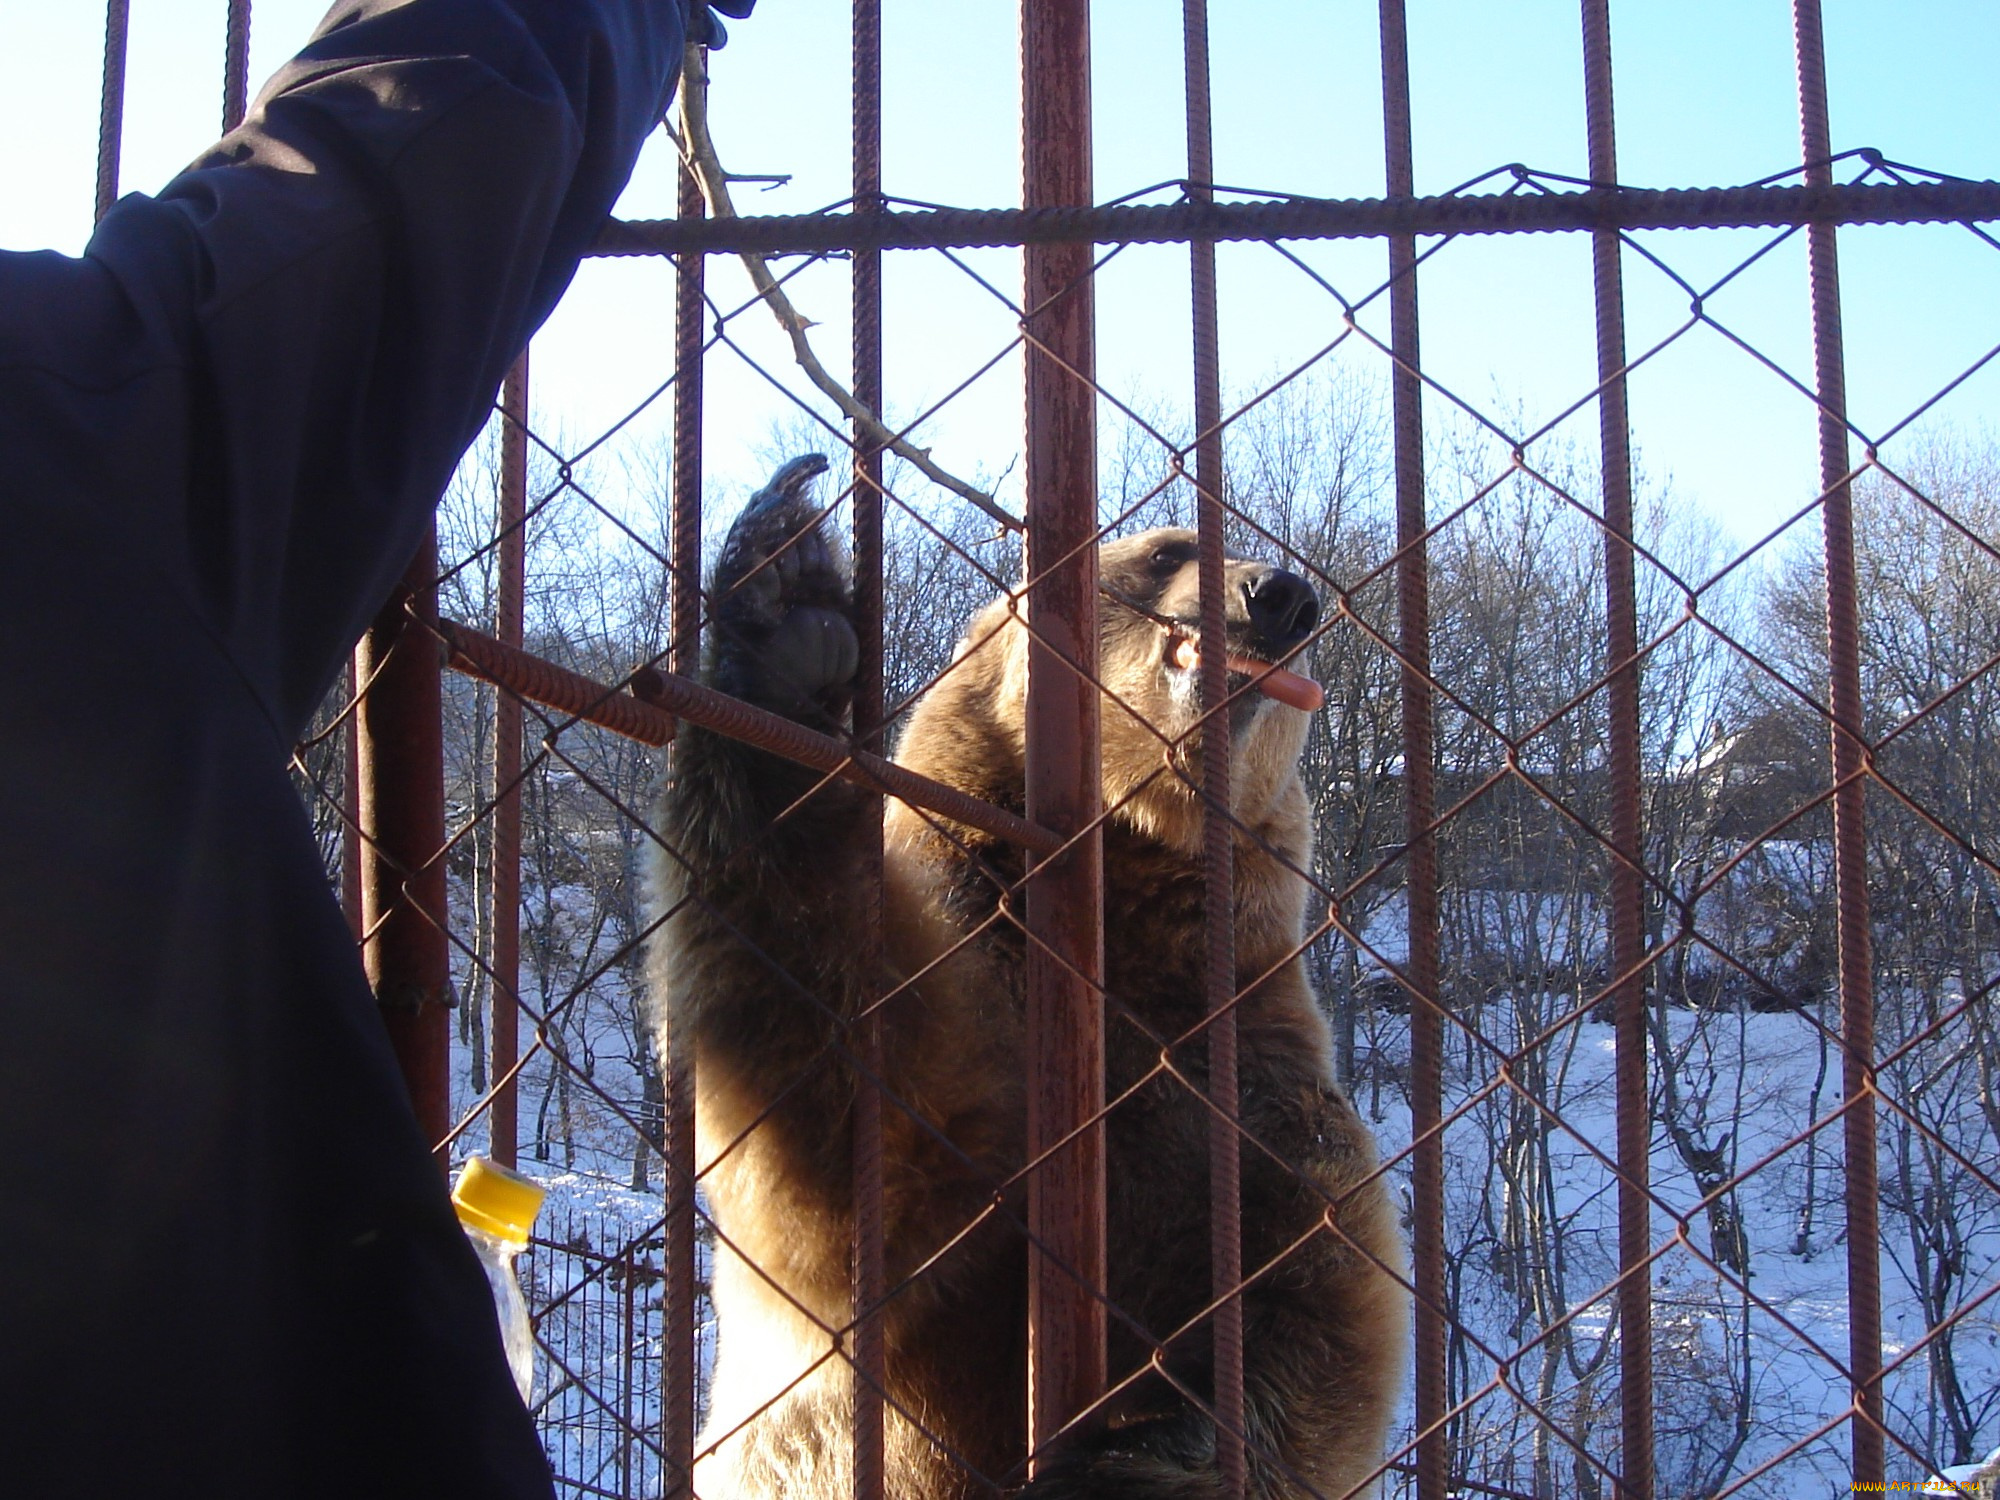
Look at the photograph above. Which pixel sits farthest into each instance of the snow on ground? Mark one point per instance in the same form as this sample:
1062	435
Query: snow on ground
1766	1346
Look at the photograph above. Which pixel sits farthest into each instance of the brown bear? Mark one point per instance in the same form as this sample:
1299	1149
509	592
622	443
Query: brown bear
758	971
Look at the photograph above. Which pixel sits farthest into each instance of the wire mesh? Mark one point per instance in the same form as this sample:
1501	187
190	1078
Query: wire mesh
1585	789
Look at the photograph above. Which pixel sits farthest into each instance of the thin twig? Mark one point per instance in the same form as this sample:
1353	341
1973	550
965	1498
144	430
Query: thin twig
699	149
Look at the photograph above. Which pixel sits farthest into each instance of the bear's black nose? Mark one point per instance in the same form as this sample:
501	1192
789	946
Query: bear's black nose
1283	609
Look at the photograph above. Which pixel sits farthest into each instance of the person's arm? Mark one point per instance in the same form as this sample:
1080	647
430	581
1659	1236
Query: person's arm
339	287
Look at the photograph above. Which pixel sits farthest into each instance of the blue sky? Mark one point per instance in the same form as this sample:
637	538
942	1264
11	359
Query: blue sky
1705	91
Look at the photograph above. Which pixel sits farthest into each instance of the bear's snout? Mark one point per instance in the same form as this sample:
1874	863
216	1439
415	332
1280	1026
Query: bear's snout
1283	610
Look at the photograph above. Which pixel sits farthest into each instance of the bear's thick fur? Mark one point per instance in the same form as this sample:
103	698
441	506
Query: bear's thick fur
758	967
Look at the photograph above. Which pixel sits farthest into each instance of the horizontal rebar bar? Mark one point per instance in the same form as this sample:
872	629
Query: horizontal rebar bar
1314	218
729	716
520	672
646	709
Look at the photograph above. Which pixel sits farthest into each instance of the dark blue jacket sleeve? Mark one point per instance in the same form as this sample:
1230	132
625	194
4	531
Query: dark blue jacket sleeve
333	294
228	1267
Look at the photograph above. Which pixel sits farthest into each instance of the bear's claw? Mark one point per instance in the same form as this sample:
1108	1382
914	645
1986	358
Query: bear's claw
784	612
788	484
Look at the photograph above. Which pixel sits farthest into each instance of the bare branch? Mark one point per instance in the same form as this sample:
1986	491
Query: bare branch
698	147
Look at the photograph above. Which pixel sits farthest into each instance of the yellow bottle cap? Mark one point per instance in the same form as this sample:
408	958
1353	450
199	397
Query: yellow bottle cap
489	1197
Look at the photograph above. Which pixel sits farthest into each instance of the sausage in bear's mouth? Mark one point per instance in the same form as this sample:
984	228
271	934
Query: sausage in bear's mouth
1276	683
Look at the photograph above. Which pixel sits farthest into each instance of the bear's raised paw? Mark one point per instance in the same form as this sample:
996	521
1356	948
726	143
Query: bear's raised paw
784	606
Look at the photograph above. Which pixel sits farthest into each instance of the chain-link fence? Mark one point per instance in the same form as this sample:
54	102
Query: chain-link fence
1650	901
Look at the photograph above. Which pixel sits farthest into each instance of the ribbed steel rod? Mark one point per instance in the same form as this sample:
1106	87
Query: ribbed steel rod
1824	202
1433	1453
679	1388
504	887
1850	849
236	66
1065	901
525	676
687	699
870	1370
111	107
1225	1162
350	807
1628	892
647	707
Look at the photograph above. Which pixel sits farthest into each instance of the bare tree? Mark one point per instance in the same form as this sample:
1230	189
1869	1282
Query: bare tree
1929	579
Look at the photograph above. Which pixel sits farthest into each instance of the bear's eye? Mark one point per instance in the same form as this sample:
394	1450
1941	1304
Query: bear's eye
1170	558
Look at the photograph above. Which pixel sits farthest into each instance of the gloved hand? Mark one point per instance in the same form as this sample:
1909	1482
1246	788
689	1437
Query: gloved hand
705	27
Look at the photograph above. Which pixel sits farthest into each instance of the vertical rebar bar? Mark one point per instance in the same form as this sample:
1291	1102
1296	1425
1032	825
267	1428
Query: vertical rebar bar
1849	754
1433	1454
111	107
1065	902
1225	1207
678	1380
628	1345
350	806
504	885
868	1287
407	953
1628	891
236	66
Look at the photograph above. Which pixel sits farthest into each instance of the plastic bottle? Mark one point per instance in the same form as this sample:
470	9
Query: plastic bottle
498	1208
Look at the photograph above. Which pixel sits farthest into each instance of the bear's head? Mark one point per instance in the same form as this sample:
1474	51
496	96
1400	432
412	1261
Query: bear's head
1149	620
971	730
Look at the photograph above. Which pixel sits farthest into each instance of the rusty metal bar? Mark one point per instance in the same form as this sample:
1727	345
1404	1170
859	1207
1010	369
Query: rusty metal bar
1225	1162
111	108
869	1283
1433	1452
689	700
630	1340
504	887
236	66
1065	901
350	807
1628	891
678	1382
616	709
658	699
407	951
1850	852
1825	202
